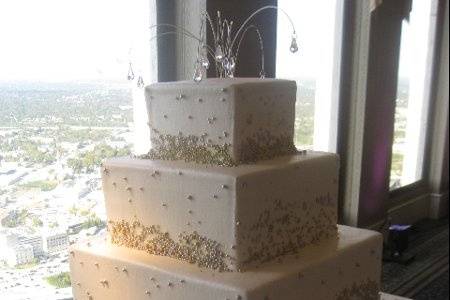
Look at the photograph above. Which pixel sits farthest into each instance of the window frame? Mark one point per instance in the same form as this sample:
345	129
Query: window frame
420	186
357	76
353	100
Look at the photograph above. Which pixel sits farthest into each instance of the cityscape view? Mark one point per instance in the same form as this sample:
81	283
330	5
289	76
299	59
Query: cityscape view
53	140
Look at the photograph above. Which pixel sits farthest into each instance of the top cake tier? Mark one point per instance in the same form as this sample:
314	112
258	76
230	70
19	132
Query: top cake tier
223	122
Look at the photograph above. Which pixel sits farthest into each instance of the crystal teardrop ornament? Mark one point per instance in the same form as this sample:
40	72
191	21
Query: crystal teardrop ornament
204	61
232	63
262	74
198	74
140	82
232	67
130	75
219	54
294	45
203	56
226	65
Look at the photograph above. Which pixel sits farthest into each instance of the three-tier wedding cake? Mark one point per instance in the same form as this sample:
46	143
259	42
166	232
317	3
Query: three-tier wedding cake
224	207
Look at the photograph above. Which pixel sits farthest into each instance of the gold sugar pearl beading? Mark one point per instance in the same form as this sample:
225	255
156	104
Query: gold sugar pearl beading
367	290
280	230
190	149
262	146
190	247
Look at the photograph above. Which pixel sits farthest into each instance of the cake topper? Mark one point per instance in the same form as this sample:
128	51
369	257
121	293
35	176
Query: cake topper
226	45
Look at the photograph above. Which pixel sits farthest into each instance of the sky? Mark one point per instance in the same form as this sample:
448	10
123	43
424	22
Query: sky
60	40
91	39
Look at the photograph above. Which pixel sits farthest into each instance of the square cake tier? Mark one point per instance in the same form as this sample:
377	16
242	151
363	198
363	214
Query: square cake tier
222	121
219	217
348	267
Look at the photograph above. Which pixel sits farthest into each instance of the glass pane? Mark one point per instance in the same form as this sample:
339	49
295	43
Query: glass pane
412	104
313	67
65	105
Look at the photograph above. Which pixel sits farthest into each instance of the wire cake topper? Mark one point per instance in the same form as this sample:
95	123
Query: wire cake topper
226	43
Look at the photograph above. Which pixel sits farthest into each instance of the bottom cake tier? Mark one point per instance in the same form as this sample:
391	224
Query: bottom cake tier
345	268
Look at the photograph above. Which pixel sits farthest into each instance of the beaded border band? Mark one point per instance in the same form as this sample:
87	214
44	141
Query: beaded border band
190	149
367	290
282	220
190	247
196	149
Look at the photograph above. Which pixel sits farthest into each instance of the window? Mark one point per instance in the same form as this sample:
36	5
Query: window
314	68
65	104
412	97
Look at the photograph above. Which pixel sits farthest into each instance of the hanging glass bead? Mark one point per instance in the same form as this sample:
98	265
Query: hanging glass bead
198	73
232	64
140	82
231	67
203	56
204	61
262	74
294	45
130	75
219	54
226	65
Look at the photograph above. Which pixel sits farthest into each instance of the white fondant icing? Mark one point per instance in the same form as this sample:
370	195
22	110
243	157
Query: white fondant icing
319	272
226	111
290	200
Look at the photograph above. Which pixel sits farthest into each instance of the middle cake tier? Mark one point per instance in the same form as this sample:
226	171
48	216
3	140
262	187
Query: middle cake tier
228	219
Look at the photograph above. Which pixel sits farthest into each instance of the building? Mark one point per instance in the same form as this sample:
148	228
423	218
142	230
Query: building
19	255
35	241
15	241
55	242
75	228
